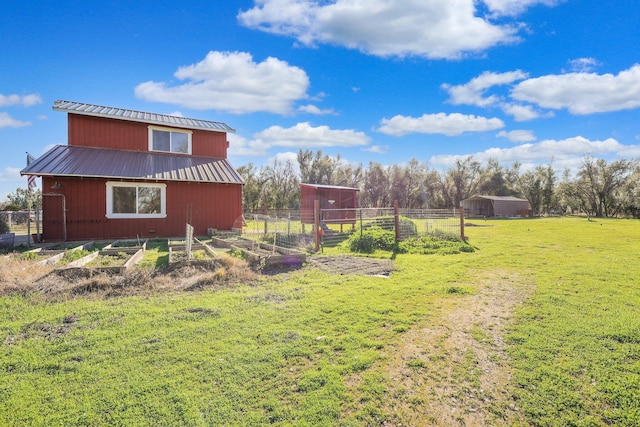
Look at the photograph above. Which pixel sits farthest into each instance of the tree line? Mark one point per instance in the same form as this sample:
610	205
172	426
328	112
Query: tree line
599	188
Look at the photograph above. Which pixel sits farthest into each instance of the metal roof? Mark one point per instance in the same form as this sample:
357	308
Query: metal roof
504	198
328	187
65	160
140	116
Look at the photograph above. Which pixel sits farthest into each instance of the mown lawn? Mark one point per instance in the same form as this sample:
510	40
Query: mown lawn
311	348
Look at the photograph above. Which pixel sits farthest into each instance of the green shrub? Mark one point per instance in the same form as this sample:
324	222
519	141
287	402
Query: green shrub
372	239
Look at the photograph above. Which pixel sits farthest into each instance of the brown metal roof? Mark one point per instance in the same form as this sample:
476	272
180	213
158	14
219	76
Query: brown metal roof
140	116
65	160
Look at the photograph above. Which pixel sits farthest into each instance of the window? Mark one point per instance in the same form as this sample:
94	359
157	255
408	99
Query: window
136	200
169	140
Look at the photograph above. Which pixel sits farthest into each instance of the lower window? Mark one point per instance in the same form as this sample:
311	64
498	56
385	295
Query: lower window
136	200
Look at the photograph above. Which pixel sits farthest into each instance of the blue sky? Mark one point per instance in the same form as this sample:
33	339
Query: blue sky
532	81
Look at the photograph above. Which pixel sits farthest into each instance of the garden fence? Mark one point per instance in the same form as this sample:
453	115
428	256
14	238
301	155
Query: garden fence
284	228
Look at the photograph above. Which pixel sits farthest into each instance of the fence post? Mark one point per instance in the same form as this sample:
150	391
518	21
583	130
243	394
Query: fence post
396	218
462	223
316	222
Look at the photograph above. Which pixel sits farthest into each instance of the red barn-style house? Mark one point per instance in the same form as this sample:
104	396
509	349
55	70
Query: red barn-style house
127	174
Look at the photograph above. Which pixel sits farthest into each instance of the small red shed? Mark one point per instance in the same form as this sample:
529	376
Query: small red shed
337	203
127	174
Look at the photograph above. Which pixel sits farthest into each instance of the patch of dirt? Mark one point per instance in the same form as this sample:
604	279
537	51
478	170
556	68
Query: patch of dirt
454	371
346	264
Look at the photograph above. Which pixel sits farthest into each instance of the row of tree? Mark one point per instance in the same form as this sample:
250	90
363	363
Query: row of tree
599	188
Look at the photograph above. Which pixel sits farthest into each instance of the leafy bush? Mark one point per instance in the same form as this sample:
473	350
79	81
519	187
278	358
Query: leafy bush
435	243
371	239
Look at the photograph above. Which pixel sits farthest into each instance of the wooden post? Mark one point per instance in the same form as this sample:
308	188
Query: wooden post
316	222
462	223
396	217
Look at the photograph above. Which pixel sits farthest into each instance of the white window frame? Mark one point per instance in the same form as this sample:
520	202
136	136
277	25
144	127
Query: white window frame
163	200
173	130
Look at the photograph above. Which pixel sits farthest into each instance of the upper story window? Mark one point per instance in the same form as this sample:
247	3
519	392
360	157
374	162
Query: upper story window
169	140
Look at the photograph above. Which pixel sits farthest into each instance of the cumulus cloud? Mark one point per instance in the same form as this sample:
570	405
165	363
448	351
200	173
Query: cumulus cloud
440	123
427	28
517	135
565	153
313	109
7	121
22	100
378	149
523	112
583	93
472	93
514	7
300	136
583	65
10	174
232	82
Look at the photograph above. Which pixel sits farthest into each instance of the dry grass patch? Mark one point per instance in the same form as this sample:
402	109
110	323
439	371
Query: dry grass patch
455	371
20	277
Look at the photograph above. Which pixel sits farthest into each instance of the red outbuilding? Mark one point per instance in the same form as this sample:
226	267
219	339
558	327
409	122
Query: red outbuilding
127	174
337	204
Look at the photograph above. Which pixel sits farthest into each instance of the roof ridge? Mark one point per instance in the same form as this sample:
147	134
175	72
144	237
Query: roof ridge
96	110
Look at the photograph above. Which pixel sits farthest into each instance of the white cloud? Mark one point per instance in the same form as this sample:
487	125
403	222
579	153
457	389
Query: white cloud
378	149
514	7
472	93
23	100
427	28
440	123
233	82
583	65
583	93
10	174
564	153
517	135
522	112
241	146
7	121
303	135
300	136
312	109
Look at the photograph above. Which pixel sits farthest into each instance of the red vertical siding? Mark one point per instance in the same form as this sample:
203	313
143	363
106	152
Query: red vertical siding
209	144
116	134
108	133
210	205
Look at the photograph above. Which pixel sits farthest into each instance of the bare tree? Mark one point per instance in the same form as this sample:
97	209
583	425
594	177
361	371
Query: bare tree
600	185
376	186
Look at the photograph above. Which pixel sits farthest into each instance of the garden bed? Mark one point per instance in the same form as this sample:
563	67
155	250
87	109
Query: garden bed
199	250
262	254
116	257
53	254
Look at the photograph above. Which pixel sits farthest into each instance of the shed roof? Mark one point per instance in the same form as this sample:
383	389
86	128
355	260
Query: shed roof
77	161
329	187
501	198
140	116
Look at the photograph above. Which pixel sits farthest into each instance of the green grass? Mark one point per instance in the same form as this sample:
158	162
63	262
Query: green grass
309	348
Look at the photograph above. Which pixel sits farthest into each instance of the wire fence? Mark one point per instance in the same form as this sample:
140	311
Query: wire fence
284	228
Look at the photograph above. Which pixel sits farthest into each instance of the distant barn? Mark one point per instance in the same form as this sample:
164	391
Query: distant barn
496	206
341	200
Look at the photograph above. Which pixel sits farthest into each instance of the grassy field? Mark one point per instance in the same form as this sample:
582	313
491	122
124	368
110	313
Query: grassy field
539	326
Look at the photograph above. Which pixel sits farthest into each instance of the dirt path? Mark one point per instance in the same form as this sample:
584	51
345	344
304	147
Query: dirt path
453	370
